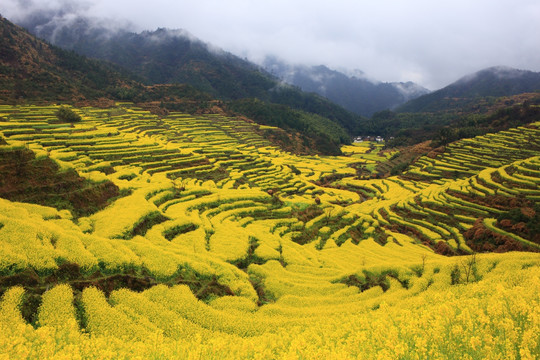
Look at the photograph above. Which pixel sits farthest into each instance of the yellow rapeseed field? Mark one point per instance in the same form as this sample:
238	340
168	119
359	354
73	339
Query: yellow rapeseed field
222	246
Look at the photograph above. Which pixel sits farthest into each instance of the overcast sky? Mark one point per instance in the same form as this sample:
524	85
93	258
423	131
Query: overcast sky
431	42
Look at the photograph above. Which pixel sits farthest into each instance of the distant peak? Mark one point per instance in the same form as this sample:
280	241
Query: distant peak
500	68
356	73
165	34
506	71
410	90
500	71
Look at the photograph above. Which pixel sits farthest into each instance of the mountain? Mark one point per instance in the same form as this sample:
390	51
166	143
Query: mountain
32	70
167	56
158	57
355	93
492	82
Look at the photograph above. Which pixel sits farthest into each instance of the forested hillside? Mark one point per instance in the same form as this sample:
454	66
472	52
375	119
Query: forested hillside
489	83
166	56
33	70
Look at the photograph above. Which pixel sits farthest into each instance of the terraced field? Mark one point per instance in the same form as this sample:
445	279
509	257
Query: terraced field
467	157
220	245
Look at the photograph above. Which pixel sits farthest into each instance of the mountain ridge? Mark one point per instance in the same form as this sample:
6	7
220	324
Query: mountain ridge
354	92
167	56
495	81
32	70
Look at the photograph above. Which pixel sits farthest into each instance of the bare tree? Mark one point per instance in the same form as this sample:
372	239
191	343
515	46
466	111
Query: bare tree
469	266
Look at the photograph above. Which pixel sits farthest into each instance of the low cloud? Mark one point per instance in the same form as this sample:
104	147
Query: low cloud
51	16
431	43
17	10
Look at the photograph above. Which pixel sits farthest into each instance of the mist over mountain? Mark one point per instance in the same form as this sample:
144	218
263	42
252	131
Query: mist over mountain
354	92
166	56
330	100
32	70
495	81
158	57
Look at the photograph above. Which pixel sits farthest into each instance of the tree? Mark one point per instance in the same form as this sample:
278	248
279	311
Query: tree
67	115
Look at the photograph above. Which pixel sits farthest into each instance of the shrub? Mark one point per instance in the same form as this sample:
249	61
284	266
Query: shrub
455	275
67	115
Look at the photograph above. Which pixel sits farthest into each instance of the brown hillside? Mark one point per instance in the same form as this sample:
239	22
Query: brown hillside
31	69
